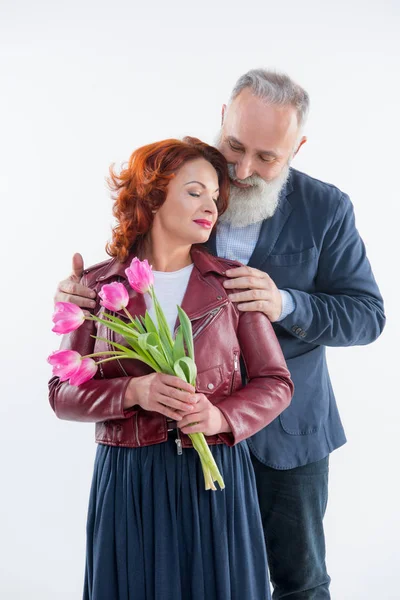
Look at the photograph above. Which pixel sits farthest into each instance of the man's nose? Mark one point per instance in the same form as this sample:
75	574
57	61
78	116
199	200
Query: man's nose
244	168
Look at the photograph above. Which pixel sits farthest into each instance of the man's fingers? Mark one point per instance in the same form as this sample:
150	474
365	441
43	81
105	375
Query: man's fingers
244	271
77	266
249	295
75	289
256	305
78	300
246	282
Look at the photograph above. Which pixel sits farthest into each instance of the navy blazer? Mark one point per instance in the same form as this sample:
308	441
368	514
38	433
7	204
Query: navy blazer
312	249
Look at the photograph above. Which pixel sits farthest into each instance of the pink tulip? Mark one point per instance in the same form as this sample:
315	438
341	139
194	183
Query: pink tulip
86	371
65	363
140	276
114	296
67	317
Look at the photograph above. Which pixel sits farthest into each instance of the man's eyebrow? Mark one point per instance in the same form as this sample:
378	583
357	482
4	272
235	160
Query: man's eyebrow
266	152
199	182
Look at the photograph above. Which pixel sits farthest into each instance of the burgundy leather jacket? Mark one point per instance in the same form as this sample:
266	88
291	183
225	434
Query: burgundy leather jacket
222	335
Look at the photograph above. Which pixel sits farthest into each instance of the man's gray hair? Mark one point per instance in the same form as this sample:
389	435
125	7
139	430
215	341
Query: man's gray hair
274	88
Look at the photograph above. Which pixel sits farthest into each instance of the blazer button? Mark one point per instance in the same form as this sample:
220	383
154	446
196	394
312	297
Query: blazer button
219	297
210	386
303	334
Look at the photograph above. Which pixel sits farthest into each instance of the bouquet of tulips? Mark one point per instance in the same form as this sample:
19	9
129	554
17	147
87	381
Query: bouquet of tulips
147	341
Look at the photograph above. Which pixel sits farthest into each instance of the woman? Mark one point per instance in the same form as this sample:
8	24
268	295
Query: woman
154	532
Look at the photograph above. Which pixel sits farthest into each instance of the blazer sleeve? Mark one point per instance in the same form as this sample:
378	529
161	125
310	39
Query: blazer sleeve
347	308
95	400
269	389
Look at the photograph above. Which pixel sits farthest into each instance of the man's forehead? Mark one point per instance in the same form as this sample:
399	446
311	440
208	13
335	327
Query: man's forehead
260	125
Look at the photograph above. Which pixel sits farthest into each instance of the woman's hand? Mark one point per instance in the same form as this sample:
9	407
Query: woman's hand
204	418
165	394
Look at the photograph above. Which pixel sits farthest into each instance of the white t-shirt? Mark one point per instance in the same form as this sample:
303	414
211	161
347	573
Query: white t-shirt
170	287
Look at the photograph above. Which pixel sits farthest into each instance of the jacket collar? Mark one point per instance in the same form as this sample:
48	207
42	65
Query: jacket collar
201	296
202	259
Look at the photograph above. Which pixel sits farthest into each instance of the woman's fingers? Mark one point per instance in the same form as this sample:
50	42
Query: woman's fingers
197	427
176	394
173	403
177	383
169	412
193	417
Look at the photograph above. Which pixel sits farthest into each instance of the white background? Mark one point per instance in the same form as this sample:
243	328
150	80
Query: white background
83	84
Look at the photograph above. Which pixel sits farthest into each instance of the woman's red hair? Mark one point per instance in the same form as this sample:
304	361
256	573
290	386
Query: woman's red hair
141	187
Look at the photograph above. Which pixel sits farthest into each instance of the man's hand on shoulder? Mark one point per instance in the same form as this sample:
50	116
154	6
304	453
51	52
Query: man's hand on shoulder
70	290
260	292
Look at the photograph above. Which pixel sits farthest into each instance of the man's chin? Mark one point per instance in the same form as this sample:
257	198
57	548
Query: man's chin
248	206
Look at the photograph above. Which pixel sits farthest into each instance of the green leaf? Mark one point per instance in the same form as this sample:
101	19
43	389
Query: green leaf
179	348
148	339
116	327
140	355
129	324
185	368
187	331
150	342
163	325
139	325
149	324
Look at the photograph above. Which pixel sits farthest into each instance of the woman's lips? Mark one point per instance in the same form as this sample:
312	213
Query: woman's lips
203	223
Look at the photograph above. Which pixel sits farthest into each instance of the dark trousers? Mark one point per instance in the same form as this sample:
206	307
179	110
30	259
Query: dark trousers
293	504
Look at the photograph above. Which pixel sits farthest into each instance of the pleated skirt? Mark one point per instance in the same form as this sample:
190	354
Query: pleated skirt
155	533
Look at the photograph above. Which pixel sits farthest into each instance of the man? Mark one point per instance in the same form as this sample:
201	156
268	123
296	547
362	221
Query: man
308	272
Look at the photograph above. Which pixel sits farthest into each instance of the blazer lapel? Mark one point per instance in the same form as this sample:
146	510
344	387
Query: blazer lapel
271	229
211	243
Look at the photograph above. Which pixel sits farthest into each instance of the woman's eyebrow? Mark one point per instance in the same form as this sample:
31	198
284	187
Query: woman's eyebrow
199	182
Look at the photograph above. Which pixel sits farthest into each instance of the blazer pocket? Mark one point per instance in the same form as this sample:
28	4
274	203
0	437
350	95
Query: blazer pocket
291	260
208	381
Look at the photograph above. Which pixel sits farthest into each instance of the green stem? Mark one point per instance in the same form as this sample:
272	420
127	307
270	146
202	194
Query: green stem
102	353
128	314
112	358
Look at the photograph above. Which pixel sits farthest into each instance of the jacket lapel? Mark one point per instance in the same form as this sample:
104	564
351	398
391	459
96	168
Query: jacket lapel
269	234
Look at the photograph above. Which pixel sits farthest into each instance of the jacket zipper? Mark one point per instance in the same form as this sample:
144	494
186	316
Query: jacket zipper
178	442
212	314
235	369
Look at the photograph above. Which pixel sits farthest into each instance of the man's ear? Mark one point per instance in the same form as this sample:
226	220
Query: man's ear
223	111
302	141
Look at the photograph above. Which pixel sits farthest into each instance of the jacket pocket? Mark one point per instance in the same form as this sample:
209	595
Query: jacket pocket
291	260
208	381
309	409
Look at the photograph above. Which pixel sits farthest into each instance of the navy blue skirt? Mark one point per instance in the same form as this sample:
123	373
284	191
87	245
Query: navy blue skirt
155	533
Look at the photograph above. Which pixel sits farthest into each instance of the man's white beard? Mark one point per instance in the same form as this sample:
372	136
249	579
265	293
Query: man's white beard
255	204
